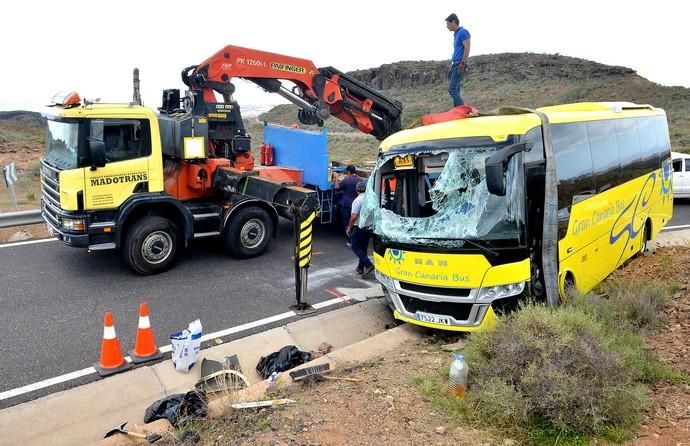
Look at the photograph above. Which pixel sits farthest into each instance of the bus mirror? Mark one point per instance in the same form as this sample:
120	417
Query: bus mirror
97	153
496	164
495	179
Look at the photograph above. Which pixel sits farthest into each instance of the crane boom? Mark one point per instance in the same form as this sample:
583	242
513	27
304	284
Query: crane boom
319	92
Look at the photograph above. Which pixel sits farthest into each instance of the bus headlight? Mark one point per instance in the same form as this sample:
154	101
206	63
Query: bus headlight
385	280
491	293
74	224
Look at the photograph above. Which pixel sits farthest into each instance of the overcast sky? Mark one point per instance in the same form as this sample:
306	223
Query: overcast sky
92	46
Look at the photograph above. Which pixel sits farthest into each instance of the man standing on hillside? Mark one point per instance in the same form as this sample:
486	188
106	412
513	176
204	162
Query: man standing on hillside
461	51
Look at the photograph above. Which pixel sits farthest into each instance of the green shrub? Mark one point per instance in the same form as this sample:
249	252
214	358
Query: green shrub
499	405
626	304
556	368
427	385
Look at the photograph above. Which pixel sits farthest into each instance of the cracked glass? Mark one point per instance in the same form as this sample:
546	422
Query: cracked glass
440	198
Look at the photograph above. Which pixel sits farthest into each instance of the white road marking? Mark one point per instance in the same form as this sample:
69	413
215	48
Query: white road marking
165	349
669	228
28	242
46	382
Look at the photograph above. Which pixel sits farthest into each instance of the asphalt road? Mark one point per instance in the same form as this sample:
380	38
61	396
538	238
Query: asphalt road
53	298
681	212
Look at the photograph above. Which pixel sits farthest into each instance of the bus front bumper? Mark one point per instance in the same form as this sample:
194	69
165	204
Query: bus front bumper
487	323
441	315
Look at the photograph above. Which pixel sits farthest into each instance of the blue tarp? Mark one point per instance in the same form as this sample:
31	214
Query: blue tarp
306	150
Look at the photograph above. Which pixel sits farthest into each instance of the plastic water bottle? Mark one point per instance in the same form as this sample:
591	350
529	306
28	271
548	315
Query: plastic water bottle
458	376
272	386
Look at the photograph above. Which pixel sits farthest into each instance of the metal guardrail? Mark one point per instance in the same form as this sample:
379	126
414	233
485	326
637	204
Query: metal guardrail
9	219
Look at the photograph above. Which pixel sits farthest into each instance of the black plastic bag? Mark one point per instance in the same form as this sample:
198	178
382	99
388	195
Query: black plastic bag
178	408
282	360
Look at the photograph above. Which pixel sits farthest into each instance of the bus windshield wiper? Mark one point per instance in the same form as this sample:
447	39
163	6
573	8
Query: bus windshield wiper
482	248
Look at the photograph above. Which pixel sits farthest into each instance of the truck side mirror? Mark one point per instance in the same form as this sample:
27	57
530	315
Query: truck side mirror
496	164
97	153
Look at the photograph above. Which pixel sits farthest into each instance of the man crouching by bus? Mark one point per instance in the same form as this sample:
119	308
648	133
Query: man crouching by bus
359	235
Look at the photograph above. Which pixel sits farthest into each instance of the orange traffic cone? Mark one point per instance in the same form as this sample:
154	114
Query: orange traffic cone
145	345
112	360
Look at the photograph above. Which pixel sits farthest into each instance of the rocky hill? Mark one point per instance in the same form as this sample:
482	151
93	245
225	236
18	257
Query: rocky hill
22	136
28	118
506	67
524	79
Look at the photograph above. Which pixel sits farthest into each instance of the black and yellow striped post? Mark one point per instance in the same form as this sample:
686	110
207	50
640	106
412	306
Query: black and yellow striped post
303	218
304	241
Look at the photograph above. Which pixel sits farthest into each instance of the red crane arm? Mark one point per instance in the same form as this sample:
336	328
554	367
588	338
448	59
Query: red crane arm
234	61
322	92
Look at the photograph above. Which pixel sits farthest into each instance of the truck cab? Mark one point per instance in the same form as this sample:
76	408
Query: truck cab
107	183
98	158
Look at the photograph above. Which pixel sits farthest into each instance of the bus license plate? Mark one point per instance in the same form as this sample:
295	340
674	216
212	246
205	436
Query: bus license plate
432	318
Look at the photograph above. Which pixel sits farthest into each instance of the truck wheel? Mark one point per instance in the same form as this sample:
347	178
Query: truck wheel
151	245
248	233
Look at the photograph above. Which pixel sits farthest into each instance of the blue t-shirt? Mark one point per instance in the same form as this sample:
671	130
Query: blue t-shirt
458	48
349	187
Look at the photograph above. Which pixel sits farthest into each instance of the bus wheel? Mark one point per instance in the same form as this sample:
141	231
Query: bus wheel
645	237
568	288
248	233
150	245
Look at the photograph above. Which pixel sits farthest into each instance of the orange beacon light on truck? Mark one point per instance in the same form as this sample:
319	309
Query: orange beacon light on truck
66	99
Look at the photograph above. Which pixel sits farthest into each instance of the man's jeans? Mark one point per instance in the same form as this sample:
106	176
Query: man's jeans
360	244
455	79
346	213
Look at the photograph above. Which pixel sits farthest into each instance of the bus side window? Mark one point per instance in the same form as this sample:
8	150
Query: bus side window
574	169
602	140
663	142
628	149
535	154
647	134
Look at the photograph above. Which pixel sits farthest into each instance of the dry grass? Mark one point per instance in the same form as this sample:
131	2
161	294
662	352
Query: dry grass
564	374
626	305
551	367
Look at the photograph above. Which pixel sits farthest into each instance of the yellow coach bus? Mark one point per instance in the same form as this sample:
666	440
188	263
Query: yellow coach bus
470	216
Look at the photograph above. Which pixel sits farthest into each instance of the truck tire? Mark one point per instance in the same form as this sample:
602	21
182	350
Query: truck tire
248	233
151	245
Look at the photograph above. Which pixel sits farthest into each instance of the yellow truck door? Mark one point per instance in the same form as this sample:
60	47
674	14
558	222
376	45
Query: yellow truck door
128	151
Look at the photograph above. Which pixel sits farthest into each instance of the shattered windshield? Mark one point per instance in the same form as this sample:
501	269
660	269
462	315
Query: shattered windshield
440	198
62	144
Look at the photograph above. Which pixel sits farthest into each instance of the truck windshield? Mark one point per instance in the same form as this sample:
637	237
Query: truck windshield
441	199
62	144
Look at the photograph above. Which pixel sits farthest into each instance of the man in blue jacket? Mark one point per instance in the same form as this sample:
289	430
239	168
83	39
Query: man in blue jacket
348	186
461	51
